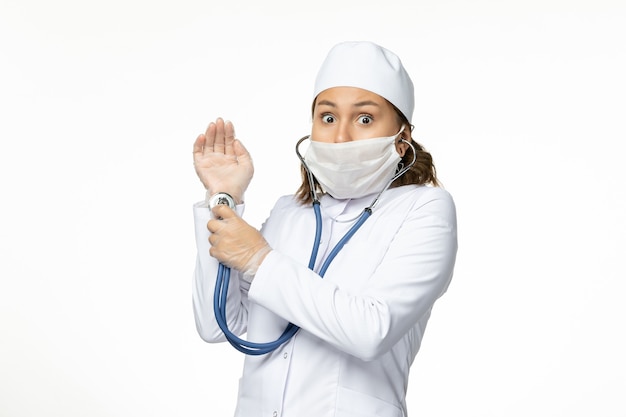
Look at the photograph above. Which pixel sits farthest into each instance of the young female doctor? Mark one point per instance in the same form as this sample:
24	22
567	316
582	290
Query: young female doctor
336	289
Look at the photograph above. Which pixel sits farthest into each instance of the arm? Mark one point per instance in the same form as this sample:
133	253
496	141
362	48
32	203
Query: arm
415	271
204	287
223	165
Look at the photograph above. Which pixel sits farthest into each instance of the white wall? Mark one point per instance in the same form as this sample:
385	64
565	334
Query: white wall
521	103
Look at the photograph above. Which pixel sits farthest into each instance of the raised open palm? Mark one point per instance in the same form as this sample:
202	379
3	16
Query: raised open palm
222	162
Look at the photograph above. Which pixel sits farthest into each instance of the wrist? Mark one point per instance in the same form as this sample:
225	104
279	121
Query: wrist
254	263
222	197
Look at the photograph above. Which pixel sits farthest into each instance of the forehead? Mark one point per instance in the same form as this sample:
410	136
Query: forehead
341	96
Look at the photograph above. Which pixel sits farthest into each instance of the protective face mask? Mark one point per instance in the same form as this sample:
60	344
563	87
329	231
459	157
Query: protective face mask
353	169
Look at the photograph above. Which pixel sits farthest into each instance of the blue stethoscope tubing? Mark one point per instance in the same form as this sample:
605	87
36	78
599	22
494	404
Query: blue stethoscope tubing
223	273
223	279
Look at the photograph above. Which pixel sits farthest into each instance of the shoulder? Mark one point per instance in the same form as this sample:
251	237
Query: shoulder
428	192
287	202
436	194
422	194
432	201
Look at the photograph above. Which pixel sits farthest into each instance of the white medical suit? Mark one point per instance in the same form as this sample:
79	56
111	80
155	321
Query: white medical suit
361	324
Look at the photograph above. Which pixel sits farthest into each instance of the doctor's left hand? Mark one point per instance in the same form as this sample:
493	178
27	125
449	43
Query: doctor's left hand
235	243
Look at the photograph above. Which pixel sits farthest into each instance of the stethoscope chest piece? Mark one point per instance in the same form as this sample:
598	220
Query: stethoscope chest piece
222	198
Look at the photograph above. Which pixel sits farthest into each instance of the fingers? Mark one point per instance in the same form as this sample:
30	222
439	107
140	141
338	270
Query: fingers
239	150
214	226
218	144
210	137
222	211
198	145
229	137
220	137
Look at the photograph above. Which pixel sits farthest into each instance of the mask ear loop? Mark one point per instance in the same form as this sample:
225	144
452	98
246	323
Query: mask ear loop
401	170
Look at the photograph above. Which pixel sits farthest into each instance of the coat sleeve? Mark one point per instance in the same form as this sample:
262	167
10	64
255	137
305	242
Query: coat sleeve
413	274
203	288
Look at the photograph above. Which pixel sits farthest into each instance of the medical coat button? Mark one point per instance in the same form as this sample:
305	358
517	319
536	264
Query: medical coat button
285	355
275	413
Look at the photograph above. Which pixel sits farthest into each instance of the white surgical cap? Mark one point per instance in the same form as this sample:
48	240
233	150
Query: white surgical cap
370	67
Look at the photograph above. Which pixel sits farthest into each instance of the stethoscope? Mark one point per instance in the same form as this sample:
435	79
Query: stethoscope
223	272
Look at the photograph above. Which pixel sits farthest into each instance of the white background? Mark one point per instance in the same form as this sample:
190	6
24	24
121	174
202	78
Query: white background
522	104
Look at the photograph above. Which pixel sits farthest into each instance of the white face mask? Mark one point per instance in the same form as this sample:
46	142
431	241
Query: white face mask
353	169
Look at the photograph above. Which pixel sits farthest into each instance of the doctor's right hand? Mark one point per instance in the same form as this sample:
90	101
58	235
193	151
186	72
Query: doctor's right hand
222	162
235	243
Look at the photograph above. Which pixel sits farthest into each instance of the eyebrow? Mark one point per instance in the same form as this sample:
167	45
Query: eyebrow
358	104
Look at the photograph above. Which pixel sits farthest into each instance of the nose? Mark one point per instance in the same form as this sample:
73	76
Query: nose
344	133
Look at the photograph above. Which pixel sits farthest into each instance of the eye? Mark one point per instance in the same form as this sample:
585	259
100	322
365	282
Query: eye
365	119
328	118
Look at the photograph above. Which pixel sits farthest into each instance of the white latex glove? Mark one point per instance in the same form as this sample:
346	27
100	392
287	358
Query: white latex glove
222	162
235	243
